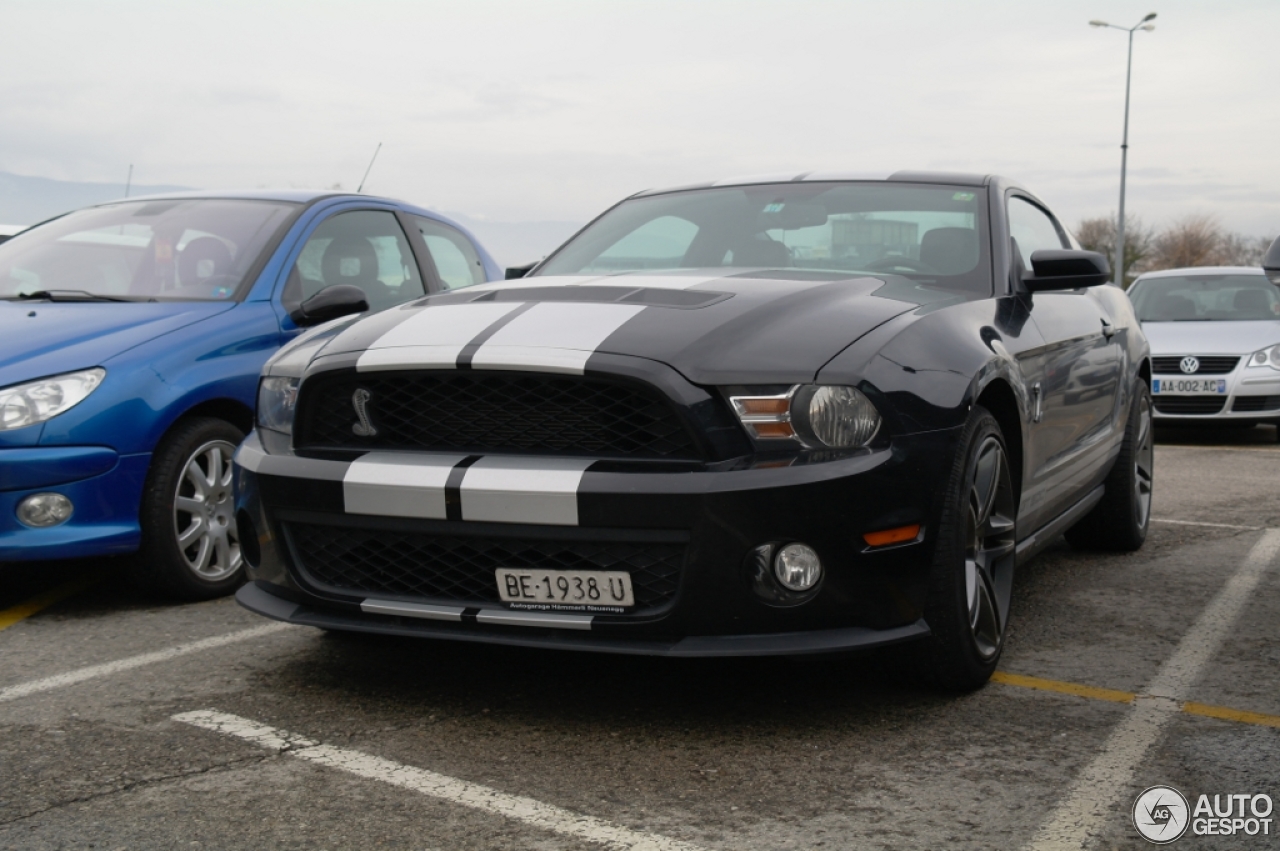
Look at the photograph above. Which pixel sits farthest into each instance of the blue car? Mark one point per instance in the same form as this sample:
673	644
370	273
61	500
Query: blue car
131	339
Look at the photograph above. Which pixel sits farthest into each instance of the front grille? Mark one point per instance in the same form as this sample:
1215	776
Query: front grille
1215	365
453	567
493	412
1189	404
1256	403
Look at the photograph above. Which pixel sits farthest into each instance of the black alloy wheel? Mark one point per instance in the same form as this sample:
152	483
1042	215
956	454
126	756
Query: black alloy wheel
972	578
1120	520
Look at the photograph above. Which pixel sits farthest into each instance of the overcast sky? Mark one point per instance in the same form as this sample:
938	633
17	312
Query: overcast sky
555	109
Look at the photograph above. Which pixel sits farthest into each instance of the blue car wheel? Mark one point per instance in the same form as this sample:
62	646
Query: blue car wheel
190	546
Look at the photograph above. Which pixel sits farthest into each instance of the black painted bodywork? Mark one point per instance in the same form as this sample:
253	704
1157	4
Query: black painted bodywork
1056	368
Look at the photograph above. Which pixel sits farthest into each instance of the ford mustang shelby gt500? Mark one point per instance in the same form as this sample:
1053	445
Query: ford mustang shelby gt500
769	415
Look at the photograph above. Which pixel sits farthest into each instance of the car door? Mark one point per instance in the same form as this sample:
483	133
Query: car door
364	248
1077	375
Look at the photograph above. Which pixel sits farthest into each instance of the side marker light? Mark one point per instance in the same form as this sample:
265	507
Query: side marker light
892	536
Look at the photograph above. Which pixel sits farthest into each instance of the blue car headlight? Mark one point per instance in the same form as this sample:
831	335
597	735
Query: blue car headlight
27	404
277	399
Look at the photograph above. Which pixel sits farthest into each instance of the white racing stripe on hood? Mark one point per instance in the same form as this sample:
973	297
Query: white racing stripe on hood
523	490
394	484
433	337
553	337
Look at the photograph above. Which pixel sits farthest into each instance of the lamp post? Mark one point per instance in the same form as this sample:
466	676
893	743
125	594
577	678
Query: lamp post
1124	145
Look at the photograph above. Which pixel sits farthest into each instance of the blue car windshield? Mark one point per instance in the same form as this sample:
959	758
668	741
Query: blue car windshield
933	235
163	250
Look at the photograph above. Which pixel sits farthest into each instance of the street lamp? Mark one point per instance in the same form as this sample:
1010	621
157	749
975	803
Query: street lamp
1124	145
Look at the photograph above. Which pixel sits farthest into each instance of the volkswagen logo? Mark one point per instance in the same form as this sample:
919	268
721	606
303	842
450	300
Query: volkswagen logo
1189	365
360	401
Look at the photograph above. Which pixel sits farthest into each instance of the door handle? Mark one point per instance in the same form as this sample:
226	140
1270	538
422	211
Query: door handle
1108	330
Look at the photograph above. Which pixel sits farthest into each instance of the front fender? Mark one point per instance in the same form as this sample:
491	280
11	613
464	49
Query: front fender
927	368
152	386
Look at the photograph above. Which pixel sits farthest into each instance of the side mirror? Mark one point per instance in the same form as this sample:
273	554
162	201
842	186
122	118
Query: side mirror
330	303
1066	269
514	272
1271	262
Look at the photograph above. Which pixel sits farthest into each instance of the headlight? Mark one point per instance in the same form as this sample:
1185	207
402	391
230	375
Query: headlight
1269	356
277	398
27	404
814	415
839	417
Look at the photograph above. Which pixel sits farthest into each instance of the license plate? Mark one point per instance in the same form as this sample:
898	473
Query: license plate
590	588
1187	386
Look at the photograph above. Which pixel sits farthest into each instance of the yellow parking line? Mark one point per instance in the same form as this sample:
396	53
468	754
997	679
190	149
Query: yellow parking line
26	609
1091	692
1231	714
1095	693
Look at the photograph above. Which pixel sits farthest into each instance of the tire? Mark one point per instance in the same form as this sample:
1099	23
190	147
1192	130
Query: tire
190	548
1119	522
971	580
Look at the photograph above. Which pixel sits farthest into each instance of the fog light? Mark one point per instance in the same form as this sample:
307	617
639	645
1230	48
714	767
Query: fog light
42	510
797	567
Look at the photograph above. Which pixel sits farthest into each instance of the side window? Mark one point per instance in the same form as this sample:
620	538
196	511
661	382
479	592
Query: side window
364	248
1032	229
457	262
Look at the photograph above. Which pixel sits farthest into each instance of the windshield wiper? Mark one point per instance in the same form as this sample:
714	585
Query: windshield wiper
65	295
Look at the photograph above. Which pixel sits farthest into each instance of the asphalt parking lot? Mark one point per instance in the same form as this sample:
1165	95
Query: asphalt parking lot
125	723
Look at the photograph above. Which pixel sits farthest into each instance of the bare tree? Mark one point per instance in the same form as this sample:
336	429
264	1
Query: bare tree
1196	240
1099	234
1240	250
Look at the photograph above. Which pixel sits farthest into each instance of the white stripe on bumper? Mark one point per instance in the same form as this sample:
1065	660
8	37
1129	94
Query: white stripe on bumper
523	490
412	610
393	484
510	618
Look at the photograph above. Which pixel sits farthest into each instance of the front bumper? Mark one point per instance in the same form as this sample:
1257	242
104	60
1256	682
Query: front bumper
711	518
105	488
1251	396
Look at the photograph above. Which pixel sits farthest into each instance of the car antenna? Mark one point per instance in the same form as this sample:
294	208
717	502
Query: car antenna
369	169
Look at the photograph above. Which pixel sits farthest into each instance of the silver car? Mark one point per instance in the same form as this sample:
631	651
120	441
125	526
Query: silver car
1215	344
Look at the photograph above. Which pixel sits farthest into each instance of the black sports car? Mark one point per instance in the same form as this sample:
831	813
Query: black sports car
761	416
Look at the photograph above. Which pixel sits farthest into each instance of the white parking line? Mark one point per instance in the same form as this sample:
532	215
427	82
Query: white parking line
1214	525
108	668
1091	802
450	789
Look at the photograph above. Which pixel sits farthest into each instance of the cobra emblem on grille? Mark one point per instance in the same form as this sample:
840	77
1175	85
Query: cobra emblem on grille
1189	365
360	401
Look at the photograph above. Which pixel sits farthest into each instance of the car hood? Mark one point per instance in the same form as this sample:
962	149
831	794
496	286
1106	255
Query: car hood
715	327
39	338
1211	338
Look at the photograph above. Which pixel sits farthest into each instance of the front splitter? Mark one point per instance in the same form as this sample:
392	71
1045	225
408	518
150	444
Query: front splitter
257	599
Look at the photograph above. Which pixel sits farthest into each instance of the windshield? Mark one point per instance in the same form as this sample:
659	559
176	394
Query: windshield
932	234
1192	298
144	250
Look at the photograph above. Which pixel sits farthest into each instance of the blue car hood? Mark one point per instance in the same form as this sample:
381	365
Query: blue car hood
39	338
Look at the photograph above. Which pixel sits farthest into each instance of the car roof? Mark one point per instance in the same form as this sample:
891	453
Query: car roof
1201	270
944	177
297	196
